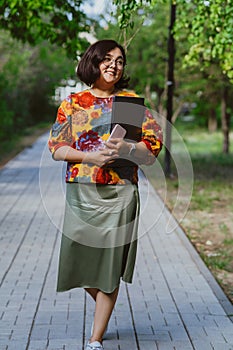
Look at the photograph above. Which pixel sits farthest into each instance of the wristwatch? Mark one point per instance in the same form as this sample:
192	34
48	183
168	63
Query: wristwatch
132	149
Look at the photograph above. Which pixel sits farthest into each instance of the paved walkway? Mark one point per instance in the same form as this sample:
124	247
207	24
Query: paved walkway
174	302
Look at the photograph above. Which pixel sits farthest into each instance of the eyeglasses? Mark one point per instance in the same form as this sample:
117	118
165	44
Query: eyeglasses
108	61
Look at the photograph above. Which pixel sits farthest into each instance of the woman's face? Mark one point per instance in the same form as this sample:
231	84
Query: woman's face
111	68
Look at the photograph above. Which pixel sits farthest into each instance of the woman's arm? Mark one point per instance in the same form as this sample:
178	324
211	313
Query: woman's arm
137	151
72	155
68	154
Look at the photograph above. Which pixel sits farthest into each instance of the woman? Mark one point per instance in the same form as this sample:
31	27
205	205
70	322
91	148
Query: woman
99	239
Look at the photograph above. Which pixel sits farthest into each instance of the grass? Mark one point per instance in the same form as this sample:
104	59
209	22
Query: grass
219	261
208	211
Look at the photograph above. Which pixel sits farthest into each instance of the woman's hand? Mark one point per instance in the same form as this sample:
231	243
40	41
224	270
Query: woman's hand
113	149
100	157
119	147
122	148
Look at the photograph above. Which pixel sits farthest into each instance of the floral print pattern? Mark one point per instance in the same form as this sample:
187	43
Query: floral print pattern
83	122
89	141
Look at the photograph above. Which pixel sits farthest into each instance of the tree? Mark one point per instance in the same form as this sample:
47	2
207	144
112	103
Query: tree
209	30
147	56
30	75
33	21
127	9
170	89
208	27
210	34
28	78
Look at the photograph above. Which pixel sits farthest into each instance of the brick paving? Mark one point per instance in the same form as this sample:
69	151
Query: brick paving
173	304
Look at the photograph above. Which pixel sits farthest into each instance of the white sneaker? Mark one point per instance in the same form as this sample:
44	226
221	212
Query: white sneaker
95	345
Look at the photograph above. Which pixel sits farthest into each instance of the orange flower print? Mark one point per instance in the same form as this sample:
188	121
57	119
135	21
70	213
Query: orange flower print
127	93
61	117
151	124
94	115
68	106
85	100
74	172
103	176
115	179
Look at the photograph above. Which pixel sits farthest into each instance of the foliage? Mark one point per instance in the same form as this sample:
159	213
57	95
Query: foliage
58	21
128	8
147	61
209	31
208	26
28	78
147	55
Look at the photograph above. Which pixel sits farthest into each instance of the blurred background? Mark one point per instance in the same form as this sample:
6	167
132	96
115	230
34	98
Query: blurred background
180	58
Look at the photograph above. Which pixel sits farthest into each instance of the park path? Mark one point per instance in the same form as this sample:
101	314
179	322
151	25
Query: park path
174	302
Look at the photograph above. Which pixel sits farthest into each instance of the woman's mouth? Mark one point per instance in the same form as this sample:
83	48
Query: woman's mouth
112	73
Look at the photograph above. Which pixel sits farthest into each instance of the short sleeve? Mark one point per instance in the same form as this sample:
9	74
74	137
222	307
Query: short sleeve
152	134
61	131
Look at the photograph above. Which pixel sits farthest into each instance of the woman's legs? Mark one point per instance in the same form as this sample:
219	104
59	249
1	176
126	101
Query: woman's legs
103	309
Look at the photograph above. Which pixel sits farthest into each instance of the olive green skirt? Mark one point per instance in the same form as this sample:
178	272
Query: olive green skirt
99	239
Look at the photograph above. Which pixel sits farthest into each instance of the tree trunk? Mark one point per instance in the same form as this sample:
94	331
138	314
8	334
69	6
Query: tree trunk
170	88
225	117
212	120
148	95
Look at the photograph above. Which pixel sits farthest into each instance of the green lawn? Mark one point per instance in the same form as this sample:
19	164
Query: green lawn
200	195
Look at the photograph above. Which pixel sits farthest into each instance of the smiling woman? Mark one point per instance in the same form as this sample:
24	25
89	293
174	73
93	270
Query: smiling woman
99	240
103	60
111	69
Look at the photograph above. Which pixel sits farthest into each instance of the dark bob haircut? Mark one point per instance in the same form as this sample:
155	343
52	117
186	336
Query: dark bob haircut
88	68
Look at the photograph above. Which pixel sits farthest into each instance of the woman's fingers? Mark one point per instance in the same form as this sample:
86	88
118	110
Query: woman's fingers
108	151
118	146
111	144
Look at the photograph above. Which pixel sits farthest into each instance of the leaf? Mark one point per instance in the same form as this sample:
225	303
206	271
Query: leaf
36	20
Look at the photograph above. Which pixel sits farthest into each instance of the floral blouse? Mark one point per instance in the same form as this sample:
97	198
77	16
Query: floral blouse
83	122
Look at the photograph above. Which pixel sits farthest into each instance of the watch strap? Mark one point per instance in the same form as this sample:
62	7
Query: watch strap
132	149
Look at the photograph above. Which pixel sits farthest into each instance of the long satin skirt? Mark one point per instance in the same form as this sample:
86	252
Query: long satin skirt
99	239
